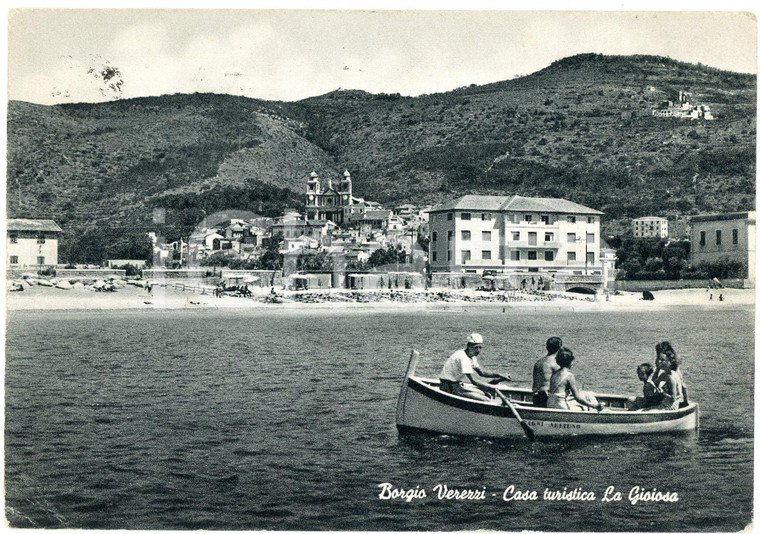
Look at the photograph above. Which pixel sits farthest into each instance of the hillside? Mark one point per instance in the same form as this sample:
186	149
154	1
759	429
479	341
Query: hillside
580	129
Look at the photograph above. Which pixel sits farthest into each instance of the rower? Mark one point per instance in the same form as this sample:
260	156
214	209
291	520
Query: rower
464	363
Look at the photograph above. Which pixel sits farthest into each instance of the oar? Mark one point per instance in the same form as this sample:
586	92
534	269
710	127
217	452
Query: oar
528	430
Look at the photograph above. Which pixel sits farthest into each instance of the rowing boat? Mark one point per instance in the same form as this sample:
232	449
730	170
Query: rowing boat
423	408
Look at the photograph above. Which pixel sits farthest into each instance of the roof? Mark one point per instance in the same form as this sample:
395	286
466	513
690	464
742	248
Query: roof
651	218
514	203
377	214
34	225
750	215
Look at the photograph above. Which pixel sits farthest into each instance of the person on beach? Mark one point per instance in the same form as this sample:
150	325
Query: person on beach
673	392
651	394
464	363
564	394
543	370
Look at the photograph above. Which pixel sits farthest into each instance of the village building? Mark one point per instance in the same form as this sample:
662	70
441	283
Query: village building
32	242
650	227
719	236
477	233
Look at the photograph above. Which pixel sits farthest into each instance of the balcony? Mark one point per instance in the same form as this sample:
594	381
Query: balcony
531	225
553	244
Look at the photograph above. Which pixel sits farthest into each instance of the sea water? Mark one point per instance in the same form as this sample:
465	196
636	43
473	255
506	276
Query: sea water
267	419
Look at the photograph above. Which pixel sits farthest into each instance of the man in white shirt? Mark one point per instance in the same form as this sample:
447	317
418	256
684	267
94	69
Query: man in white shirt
464	363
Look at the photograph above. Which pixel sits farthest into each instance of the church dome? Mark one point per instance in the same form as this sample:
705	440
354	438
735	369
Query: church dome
347	174
313	174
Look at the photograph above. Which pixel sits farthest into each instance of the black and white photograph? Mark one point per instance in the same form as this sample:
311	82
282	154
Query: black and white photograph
380	269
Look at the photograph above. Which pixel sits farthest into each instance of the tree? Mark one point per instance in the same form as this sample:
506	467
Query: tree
319	261
387	256
271	259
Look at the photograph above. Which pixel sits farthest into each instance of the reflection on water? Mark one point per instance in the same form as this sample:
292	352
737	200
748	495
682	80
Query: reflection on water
254	420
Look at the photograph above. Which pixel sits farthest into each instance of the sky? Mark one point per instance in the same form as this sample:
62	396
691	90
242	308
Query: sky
57	56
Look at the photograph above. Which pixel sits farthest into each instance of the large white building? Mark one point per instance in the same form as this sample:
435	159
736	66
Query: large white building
475	233
650	227
719	236
32	242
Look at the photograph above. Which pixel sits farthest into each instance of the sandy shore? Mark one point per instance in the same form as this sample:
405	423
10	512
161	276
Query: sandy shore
131	297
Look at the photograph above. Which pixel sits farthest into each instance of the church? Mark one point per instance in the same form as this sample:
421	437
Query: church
331	203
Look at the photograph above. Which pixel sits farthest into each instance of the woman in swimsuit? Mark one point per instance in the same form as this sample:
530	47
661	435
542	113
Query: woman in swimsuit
672	386
562	387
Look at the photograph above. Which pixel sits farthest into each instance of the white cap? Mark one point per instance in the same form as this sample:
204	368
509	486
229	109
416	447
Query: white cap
475	338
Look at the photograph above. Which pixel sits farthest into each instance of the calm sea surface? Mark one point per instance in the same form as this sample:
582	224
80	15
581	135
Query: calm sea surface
285	420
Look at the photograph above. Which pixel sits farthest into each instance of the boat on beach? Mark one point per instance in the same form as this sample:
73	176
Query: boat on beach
423	408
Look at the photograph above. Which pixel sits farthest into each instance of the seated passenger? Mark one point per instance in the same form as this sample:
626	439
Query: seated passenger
464	363
543	371
652	395
672	388
564	394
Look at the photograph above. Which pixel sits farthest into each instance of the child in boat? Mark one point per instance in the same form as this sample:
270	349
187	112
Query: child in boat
564	394
652	395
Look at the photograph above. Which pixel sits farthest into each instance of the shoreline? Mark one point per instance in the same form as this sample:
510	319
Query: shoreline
40	298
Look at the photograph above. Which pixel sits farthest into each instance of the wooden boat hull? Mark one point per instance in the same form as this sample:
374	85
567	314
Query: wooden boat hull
422	407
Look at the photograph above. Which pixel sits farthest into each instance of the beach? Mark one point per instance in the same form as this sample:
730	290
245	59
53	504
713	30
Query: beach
164	297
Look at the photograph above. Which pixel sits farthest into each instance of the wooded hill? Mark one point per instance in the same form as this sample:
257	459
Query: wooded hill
580	129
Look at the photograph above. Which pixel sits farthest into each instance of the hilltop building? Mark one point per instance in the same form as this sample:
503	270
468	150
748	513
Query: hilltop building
682	109
650	227
32	242
720	236
477	233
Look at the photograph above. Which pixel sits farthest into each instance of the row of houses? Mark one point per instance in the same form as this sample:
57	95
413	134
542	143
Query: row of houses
544	239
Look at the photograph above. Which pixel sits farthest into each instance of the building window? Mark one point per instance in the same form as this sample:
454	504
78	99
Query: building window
590	238
451	235
466	216
528	218
40	238
486	254
532	238
514	255
549	236
571	218
435	256
14	260
545	219
486	235
590	220
571	238
735	236
571	256
549	255
485	216
466	256
515	236
13	238
449	216
701	239
718	237
532	255
590	257
448	256
466	235
40	260
435	237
